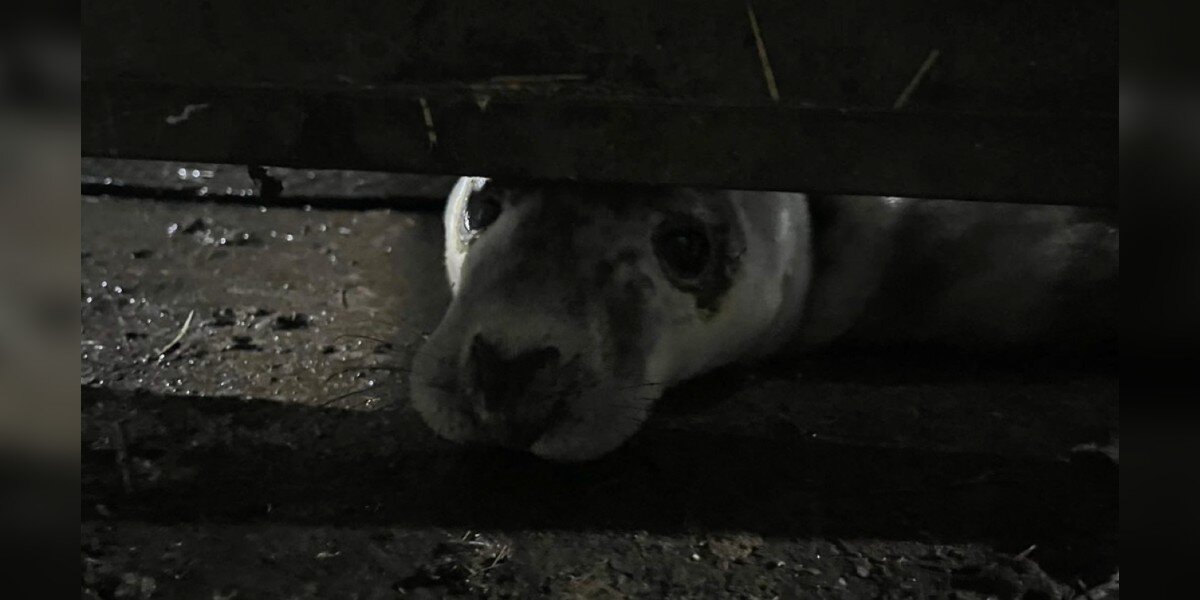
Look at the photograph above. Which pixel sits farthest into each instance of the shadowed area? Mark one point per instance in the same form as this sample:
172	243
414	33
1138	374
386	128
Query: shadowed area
258	461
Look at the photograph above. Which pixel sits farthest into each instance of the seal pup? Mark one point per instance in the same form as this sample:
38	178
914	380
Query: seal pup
575	306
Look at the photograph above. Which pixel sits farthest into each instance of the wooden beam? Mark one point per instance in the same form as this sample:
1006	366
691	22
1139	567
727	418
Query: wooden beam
1012	102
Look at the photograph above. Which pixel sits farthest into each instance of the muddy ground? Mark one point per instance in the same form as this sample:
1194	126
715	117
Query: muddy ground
246	434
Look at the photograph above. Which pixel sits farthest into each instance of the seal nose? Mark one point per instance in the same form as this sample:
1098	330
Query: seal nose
514	389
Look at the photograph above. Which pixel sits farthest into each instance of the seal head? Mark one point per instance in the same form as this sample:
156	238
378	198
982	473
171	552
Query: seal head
575	306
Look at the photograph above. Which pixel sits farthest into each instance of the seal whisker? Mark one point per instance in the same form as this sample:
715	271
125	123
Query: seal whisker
637	407
641	385
399	324
388	368
448	388
329	401
639	421
391	347
341	336
445	345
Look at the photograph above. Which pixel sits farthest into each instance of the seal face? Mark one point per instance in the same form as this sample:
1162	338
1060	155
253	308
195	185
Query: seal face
575	306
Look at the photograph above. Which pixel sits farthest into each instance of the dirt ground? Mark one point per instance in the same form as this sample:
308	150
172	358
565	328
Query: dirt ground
246	434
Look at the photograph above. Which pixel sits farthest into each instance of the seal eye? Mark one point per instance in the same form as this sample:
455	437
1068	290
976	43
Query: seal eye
482	210
683	248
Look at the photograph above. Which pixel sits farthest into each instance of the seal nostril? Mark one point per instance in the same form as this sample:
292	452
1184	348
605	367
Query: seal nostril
515	397
504	383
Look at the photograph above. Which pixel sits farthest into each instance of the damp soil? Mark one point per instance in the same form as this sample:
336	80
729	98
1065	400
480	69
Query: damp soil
246	433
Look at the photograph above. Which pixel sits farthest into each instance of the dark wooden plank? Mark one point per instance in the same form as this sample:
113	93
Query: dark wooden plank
759	147
1018	105
1017	55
